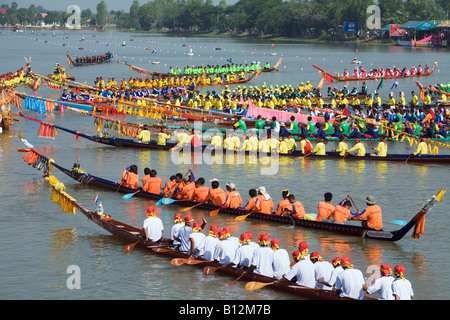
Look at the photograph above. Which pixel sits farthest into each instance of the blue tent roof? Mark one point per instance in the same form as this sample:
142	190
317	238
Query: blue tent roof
418	25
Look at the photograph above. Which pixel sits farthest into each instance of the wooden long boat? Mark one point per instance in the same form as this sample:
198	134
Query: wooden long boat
343	78
40	161
71	60
136	236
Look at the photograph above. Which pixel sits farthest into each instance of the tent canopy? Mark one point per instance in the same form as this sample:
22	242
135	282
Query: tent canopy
418	25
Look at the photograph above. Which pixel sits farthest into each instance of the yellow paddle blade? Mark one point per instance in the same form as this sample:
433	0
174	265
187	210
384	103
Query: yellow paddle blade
440	194
255	285
214	212
241	218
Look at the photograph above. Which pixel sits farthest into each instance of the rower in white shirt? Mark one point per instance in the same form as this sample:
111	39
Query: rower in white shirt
153	226
225	249
244	253
281	262
196	238
401	287
382	285
208	245
336	262
323	271
178	220
262	259
303	270
350	282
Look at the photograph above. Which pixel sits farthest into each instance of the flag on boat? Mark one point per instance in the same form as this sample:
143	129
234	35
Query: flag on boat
253	51
346	113
381	83
229	60
96	199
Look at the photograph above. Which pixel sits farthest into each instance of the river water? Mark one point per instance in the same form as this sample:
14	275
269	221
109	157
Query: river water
39	243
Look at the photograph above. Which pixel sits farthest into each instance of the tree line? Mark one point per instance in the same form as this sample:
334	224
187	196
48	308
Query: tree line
294	18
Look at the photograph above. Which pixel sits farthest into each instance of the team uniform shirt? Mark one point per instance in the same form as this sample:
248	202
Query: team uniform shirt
197	237
216	141
200	194
304	271
225	251
359	148
183	234
319	149
351	282
381	149
341	214
217	195
281	263
263	205
342	148
325	210
251	205
402	288
263	260
373	214
281	206
324	270
152	184
233	200
162	138
174	232
144	135
207	247
335	274
383	286
244	255
154	227
422	149
186	191
169	186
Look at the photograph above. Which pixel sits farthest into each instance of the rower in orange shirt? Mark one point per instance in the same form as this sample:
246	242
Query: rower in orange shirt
283	204
130	178
265	203
233	198
169	185
251	204
325	207
201	191
186	189
342	211
295	207
216	195
373	214
151	183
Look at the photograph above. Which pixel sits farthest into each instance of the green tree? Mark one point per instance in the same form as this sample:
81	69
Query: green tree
102	14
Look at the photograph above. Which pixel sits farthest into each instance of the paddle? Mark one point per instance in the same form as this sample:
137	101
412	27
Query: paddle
351	199
130	247
255	285
129	195
243	217
210	270
236	280
214	212
179	261
189	208
166	198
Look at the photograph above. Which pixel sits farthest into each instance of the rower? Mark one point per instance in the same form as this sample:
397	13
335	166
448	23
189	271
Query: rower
382	285
281	262
178	223
196	238
349	283
130	178
336	262
296	209
262	259
216	140
381	149
186	189
244	253
325	208
283	204
342	211
225	250
234	199
153	226
208	244
251	204
151	182
359	148
216	195
185	232
201	191
323	271
303	270
305	145
170	184
319	149
144	134
373	214
265	203
401	287
422	148
162	137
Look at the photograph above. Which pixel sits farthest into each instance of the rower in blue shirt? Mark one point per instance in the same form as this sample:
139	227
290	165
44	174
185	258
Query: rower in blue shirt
64	96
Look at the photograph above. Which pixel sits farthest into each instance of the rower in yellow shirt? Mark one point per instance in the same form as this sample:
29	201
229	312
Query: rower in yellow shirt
381	149
359	148
422	148
342	147
162	137
319	149
144	135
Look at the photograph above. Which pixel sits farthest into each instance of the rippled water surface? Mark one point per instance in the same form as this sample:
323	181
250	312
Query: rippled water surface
39	242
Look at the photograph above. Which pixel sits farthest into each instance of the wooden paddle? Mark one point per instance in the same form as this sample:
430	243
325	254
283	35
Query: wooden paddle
255	285
189	208
237	279
166	198
210	270
129	195
214	212
160	249
130	247
351	199
179	261
243	217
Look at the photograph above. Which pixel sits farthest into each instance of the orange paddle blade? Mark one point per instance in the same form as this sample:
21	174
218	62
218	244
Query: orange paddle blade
177	261
193	261
209	270
214	212
255	285
130	247
241	218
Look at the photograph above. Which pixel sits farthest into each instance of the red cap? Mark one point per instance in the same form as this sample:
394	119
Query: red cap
188	218
315	255
197	226
400	271
151	212
346	262
303	245
386	269
336	261
222	235
178	217
263	239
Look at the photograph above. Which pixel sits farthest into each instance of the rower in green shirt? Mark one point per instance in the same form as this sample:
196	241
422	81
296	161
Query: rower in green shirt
311	126
294	125
260	122
241	124
345	127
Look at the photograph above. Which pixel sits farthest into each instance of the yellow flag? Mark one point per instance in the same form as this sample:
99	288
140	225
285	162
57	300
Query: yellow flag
440	194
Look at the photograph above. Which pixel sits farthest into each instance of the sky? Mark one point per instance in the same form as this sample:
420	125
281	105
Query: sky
83	4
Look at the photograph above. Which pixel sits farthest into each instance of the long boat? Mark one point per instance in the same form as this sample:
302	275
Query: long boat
136	237
131	143
42	162
344	78
74	62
